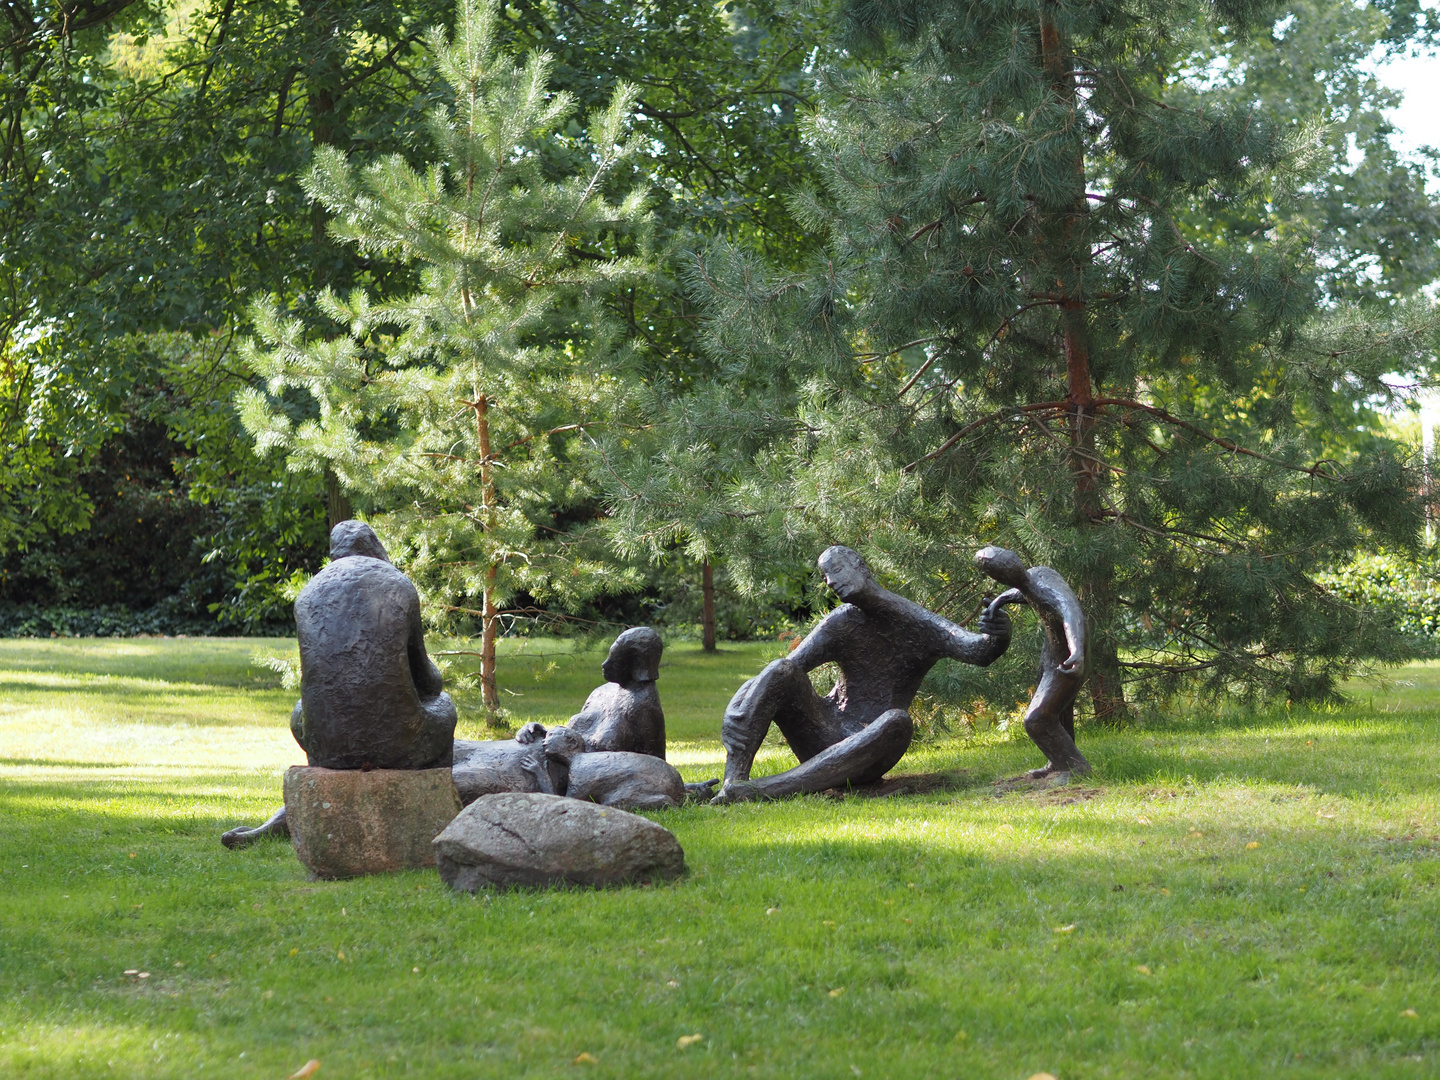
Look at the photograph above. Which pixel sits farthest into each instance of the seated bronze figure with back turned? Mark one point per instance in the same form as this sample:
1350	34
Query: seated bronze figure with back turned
370	696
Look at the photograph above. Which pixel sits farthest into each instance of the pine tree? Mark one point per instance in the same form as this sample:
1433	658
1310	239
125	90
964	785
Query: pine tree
1062	309
454	413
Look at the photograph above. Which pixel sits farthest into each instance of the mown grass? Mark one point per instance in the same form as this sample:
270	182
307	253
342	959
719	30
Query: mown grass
1233	896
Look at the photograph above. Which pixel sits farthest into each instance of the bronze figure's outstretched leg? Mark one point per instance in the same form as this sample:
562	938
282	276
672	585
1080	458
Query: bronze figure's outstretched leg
861	758
242	837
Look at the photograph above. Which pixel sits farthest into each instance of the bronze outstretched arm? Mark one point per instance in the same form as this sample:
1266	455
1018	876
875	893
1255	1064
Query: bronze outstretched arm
981	649
1009	596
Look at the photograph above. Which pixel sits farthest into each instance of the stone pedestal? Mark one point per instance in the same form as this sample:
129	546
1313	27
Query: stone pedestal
345	823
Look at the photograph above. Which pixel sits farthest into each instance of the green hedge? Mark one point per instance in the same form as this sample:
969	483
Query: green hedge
111	620
1408	591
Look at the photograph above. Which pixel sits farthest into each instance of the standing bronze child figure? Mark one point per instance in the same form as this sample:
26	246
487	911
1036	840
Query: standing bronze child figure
1050	719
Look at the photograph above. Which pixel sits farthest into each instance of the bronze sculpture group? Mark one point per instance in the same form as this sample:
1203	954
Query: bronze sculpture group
371	698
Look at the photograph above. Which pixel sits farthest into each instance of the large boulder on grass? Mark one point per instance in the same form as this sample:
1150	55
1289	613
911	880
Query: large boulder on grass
348	822
532	840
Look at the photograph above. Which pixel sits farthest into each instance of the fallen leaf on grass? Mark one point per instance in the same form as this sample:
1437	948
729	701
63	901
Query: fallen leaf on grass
339	954
585	1058
1411	1013
827	922
295	951
672	984
310	1068
1064	929
1142	969
772	911
837	991
686	1041
1164	892
1252	845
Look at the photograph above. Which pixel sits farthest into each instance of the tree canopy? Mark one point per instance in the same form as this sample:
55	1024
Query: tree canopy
1074	304
1119	286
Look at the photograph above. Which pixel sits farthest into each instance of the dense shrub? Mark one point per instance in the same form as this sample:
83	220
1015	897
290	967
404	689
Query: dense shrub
107	620
1406	592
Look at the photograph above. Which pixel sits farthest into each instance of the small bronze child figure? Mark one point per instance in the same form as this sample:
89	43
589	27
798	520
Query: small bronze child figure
1050	719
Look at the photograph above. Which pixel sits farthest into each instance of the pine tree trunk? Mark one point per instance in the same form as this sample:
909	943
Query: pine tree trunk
707	610
337	504
489	692
321	79
1096	585
324	78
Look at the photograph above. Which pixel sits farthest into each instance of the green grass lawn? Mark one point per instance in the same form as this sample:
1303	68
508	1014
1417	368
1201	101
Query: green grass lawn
1230	897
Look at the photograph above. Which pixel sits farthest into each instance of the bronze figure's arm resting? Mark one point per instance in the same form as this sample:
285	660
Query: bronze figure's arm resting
1075	633
428	680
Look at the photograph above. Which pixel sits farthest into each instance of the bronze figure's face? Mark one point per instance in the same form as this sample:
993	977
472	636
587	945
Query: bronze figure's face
845	572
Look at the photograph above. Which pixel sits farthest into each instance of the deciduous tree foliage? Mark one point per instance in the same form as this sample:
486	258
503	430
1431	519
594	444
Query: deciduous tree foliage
166	194
1068	304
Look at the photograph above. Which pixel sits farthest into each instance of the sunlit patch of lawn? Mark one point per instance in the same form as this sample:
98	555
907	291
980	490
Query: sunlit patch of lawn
1230	896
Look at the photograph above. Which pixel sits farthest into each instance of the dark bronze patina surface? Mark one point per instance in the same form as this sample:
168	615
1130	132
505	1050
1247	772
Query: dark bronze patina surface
883	645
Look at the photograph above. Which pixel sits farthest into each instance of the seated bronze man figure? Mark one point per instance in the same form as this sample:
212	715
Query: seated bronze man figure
1050	719
884	645
370	697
